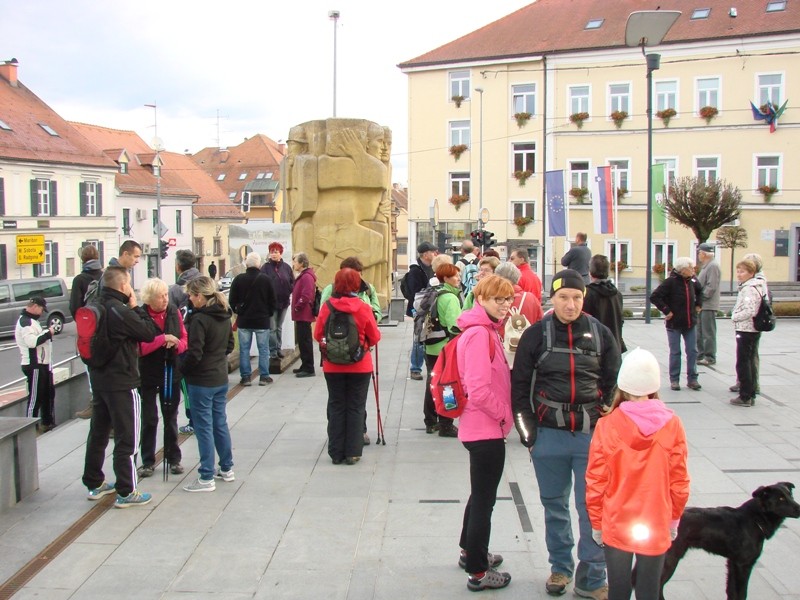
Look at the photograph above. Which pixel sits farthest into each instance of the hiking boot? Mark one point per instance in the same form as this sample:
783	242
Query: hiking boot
265	380
491	580
450	431
186	429
297	370
279	354
693	385
675	386
145	471
600	593
734	387
351	460
432	428
741	402
225	475
200	485
306	374
176	468
367	441
245	381
416	376
135	498
86	413
557	584
495	560
104	490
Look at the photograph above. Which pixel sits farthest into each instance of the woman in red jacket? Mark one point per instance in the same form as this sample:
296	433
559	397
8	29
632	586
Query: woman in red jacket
347	378
637	483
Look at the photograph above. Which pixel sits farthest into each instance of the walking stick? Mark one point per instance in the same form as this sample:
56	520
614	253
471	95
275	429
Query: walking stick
166	399
381	440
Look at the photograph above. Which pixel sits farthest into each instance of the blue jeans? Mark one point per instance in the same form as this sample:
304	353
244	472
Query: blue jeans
211	428
556	456
276	331
262	343
417	357
690	344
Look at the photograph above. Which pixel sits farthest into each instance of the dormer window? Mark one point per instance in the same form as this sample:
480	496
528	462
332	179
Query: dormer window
594	24
242	176
48	129
157	170
776	5
260	176
221	177
4	125
123	168
701	13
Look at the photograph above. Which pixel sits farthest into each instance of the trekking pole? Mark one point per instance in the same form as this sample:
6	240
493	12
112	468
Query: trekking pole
376	382
166	399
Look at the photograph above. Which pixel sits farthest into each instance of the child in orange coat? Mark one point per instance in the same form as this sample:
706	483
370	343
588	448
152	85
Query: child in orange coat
637	483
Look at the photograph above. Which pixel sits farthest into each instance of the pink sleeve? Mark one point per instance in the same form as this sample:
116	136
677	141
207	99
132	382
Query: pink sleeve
146	348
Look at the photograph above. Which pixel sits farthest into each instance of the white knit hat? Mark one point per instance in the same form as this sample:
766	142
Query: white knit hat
639	374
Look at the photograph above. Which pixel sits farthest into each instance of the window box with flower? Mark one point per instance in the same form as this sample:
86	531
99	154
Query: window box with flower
621	193
579	193
458	199
522	223
457	100
666	115
708	113
767	191
578	118
522	118
621	266
457	150
659	270
522	176
618	116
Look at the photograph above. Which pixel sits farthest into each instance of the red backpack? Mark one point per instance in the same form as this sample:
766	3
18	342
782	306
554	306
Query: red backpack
94	347
446	387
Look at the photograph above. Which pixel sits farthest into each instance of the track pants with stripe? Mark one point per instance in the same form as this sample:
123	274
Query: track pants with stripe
41	392
120	410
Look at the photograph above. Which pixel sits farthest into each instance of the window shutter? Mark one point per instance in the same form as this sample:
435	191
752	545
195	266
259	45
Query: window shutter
37	271
100	252
53	199
2	196
54	259
3	263
99	200
34	198
82	198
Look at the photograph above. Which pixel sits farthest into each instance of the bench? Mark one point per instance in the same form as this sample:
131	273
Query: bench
19	461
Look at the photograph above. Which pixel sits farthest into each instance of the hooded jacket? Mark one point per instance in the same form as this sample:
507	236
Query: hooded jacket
177	294
604	302
368	333
252	298
681	297
637	475
366	292
487	415
747	303
210	341
416	279
529	281
92	271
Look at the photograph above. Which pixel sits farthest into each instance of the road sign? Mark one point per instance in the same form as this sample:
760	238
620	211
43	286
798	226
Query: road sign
30	249
160	230
172	242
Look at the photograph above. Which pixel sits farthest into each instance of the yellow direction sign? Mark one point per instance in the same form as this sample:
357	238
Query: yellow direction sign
30	249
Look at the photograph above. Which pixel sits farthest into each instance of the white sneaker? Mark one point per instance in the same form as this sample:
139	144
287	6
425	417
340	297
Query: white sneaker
225	475
201	485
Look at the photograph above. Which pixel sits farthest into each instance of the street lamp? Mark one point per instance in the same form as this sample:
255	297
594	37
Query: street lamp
480	161
158	146
334	16
648	28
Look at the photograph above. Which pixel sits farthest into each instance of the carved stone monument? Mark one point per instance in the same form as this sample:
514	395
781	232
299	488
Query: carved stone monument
338	195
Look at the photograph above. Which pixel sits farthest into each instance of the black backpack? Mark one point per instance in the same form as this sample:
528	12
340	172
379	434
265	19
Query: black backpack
765	317
341	345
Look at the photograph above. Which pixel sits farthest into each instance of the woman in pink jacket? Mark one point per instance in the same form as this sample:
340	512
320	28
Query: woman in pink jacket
484	424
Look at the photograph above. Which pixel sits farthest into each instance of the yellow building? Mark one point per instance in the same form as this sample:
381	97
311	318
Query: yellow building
556	59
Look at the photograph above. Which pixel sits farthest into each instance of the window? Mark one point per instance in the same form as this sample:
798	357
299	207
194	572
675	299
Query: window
670	169
156	218
178	221
664	249
157	170
767	171
4	125
232	195
706	169
459	184
708	92
217	246
618	251
623	174
579	99
523	209
260	176
126	221
701	13
525	157
2	196
776	5
91	198
459	133
523	99
579	174
666	95
242	176
268	176
49	268
594	24
619	96
769	88
199	247
43	198
459	84
221	177
48	129
123	168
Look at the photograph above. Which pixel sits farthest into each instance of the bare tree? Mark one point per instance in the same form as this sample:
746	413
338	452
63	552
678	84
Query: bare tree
702	206
732	237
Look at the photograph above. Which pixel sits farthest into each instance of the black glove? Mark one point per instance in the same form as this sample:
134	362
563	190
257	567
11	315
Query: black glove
526	428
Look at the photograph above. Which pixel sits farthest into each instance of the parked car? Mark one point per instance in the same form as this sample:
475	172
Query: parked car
14	296
225	282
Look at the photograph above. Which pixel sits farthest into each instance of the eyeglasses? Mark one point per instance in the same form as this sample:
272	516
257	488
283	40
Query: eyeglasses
508	300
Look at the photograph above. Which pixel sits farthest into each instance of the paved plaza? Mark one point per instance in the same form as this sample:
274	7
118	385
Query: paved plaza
293	525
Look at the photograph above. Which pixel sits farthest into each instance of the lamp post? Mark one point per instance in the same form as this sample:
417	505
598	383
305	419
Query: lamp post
334	16
480	162
157	146
648	28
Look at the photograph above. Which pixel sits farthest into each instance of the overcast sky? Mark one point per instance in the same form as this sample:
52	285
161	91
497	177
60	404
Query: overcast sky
263	66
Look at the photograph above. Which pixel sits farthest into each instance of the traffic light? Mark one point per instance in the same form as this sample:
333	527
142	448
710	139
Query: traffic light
245	202
488	240
477	237
163	246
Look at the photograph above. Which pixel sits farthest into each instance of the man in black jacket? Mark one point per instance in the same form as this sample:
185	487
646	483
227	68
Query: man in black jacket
116	401
603	300
565	368
680	298
252	298
417	278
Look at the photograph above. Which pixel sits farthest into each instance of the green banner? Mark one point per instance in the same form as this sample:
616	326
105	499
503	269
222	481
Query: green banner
659	218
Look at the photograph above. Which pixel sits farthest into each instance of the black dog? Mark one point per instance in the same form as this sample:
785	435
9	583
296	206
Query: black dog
738	534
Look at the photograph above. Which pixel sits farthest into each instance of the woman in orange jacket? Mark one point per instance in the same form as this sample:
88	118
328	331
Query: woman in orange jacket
637	483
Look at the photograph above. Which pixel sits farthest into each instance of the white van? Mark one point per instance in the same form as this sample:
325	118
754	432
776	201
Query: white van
14	296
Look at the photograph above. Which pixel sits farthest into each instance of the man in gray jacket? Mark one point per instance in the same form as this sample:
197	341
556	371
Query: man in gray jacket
709	278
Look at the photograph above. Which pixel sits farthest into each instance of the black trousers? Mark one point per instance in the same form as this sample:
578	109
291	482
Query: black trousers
619	565
305	343
428	405
41	392
119	410
486	460
152	396
747	363
347	399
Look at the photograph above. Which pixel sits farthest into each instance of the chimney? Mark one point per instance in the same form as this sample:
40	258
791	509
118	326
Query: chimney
8	71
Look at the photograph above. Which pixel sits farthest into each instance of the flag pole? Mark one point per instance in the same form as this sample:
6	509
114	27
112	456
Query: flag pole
614	184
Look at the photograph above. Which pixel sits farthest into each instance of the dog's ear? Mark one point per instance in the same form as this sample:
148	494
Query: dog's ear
760	492
788	484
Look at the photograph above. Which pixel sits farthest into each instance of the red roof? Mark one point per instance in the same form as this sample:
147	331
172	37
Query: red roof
213	202
557	26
